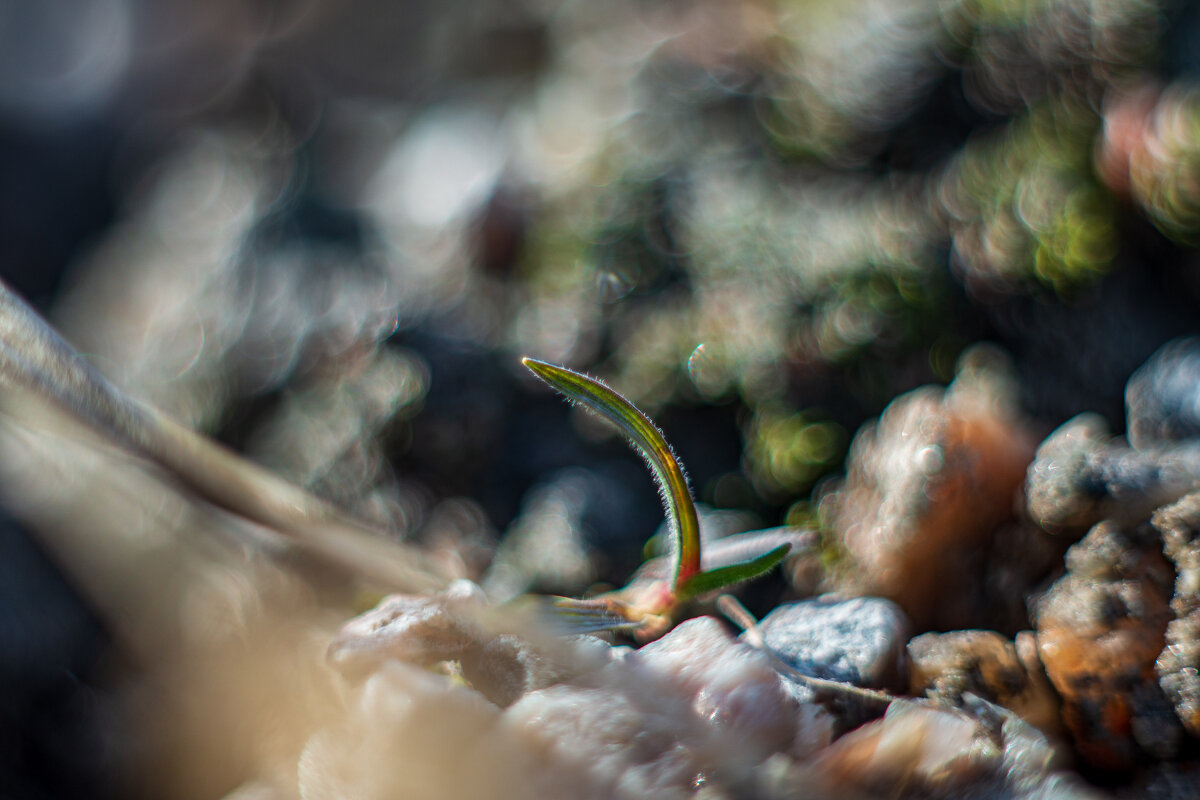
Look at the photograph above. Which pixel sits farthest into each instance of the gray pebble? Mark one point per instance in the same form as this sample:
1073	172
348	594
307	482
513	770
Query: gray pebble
858	640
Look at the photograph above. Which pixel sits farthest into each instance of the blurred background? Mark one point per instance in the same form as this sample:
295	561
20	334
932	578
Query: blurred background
324	232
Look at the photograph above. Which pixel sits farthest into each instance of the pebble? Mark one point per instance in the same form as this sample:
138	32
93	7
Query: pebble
696	707
683	710
734	687
946	666
1031	765
411	733
1082	474
415	629
607	735
919	750
913	746
858	640
425	631
1064	461
1099	631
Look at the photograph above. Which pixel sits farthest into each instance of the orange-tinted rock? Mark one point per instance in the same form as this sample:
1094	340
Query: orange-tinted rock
915	748
923	751
1099	630
945	665
926	488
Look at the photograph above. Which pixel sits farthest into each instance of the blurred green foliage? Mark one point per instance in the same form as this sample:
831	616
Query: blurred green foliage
791	195
1030	206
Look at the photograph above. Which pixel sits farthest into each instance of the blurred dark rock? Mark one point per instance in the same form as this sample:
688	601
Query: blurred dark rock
56	196
1073	354
1162	399
1020	558
1167	781
60	731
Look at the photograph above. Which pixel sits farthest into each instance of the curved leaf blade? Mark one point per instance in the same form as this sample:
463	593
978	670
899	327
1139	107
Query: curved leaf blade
719	578
648	440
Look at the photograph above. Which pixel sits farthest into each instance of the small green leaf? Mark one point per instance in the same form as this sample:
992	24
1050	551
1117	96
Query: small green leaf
719	578
603	401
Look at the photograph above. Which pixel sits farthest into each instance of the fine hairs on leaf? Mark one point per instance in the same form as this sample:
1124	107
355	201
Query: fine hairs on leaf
711	580
649	442
648	608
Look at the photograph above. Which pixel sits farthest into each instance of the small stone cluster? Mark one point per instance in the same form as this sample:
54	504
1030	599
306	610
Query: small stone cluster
693	712
989	616
1094	642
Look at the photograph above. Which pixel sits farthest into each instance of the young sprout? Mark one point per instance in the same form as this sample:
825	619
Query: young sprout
646	607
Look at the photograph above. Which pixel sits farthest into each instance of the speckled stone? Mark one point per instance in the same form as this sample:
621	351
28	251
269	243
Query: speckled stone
1179	663
945	666
1082	475
1100	629
858	640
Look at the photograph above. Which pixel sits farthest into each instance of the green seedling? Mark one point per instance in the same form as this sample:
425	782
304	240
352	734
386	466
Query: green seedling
646	606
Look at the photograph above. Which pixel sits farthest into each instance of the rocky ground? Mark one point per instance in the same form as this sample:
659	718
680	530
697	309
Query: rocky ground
910	285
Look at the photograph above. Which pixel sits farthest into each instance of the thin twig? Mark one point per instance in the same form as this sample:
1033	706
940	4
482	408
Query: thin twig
737	613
